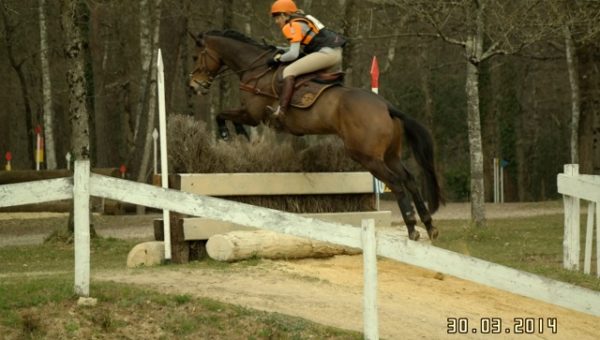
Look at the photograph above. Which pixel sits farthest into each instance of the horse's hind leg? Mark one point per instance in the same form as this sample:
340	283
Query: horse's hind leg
408	213
410	184
394	181
222	128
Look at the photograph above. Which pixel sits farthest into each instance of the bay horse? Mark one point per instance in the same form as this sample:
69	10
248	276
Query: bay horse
371	129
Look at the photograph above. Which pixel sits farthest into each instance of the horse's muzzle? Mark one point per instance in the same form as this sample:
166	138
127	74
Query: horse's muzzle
200	87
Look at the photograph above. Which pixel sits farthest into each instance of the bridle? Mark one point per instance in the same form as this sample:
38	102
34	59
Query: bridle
203	68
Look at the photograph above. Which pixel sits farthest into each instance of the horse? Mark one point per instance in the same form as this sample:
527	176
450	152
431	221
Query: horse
371	129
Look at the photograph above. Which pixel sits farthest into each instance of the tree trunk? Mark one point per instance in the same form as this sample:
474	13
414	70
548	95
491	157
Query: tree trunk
475	146
350	29
79	116
474	52
74	51
48	112
146	60
575	94
147	149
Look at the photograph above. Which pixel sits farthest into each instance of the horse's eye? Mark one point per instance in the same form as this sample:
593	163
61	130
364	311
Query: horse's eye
195	58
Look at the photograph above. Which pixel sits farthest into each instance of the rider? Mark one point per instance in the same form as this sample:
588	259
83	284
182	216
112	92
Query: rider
322	46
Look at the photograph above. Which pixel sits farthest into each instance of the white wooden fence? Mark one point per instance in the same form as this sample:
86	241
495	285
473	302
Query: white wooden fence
393	246
576	187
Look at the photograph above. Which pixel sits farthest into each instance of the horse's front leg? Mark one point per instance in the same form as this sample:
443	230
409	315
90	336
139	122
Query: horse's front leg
238	117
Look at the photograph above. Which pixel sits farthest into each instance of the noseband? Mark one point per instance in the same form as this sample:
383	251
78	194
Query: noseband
203	68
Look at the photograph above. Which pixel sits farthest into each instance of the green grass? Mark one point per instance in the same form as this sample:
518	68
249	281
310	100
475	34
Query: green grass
57	256
532	244
46	308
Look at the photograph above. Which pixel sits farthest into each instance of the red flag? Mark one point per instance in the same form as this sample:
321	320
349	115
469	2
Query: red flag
374	73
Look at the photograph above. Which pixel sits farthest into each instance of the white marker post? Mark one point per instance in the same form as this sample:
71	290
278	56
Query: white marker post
39	147
377	184
68	159
155	149
164	169
8	157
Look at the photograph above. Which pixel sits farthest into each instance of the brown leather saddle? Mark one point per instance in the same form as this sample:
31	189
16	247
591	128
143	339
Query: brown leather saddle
308	87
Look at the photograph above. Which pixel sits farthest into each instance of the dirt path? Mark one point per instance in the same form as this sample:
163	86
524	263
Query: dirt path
413	303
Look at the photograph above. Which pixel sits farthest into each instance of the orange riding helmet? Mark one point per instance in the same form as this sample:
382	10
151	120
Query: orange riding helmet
283	6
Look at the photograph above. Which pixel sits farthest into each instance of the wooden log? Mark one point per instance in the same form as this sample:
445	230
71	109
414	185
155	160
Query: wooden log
146	254
239	245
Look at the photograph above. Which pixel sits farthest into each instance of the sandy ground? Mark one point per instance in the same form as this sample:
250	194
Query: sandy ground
413	303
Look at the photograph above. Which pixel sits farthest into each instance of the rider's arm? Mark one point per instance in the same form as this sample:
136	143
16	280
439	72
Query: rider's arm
294	32
292	53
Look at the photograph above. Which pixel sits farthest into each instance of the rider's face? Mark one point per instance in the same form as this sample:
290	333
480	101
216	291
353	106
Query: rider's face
280	19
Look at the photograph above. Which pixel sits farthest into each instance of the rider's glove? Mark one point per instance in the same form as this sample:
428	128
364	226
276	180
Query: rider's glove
275	61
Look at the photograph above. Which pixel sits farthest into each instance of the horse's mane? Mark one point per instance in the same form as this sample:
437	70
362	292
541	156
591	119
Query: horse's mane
237	36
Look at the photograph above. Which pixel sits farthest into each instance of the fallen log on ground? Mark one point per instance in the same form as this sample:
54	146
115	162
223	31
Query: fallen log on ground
241	244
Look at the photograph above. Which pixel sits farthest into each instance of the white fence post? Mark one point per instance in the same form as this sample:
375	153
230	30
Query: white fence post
81	217
598	239
589	236
369	246
571	246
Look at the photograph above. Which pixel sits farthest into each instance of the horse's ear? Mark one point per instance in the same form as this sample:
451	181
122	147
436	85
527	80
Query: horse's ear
198	39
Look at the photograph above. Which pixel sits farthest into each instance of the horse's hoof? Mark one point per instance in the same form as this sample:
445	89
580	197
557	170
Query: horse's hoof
415	235
224	135
433	233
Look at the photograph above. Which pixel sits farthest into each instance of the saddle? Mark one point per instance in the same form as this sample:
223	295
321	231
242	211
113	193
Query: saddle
308	87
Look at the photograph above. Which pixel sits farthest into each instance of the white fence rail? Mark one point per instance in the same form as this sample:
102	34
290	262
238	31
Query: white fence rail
388	245
576	187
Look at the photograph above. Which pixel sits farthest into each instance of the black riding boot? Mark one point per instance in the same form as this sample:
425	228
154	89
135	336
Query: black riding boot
287	89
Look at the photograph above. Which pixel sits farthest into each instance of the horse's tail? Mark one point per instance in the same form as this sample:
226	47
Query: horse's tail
421	144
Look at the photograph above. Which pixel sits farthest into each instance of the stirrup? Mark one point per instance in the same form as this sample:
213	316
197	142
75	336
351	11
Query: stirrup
275	112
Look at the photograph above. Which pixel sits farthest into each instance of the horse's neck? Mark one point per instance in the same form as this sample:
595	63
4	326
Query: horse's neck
238	57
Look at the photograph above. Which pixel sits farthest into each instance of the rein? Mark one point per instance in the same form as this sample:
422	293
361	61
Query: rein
222	73
253	88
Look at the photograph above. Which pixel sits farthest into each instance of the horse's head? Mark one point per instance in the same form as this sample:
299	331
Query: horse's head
207	65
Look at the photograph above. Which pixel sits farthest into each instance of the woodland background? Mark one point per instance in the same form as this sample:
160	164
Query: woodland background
525	73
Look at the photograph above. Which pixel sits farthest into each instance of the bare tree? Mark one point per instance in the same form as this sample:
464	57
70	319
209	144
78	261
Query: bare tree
580	23
143	172
48	112
72	15
74	51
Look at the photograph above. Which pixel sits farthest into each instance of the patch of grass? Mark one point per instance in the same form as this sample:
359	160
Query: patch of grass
31	324
106	253
125	311
532	244
32	226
